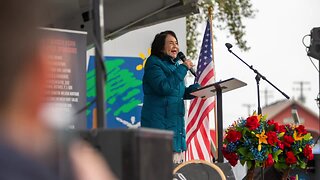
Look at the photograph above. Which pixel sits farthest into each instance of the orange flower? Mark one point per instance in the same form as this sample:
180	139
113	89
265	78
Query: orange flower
296	136
262	139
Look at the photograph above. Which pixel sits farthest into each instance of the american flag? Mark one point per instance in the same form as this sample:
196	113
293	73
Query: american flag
197	130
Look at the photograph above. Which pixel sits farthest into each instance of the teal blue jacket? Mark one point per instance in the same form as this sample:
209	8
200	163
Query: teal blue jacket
164	93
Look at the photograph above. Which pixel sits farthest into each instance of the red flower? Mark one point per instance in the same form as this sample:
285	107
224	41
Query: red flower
275	125
231	157
301	130
272	138
233	161
291	159
233	136
307	152
288	140
252	122
270	122
269	161
281	128
280	144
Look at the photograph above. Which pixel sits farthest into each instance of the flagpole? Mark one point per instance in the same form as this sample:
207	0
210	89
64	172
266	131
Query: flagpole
210	15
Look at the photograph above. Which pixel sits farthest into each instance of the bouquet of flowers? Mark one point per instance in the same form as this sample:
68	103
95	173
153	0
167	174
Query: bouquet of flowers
263	143
296	146
250	141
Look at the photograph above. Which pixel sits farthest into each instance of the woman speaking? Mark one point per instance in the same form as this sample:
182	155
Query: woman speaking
164	91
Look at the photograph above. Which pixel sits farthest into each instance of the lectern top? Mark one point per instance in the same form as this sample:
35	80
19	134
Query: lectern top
225	86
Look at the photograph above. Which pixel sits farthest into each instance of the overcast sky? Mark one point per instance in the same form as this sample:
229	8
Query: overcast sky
275	37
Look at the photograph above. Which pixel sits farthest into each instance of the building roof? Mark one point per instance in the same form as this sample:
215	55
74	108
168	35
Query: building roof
274	109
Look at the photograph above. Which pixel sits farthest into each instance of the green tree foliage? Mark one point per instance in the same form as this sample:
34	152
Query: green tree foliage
229	15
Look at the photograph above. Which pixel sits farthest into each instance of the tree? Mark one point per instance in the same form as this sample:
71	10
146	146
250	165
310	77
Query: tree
228	13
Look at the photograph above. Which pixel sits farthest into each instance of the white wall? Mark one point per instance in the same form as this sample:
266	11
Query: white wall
138	41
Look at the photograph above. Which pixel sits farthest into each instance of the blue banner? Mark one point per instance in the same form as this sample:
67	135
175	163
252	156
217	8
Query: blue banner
123	91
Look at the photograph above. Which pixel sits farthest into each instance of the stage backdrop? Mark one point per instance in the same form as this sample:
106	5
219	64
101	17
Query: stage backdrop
123	91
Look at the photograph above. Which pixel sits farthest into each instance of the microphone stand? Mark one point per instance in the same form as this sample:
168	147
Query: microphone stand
258	77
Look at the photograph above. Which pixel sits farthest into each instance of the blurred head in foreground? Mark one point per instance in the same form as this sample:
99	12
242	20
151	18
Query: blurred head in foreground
22	73
28	146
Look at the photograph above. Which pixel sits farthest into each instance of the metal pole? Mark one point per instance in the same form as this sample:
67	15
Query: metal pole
220	123
98	23
210	14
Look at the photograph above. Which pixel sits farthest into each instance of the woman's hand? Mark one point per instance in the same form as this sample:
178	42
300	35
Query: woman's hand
188	63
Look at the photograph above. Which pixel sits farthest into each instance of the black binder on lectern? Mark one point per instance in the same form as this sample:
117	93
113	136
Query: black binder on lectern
217	89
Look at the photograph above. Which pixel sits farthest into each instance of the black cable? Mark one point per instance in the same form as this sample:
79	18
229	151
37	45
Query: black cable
307	48
86	107
303	40
311	60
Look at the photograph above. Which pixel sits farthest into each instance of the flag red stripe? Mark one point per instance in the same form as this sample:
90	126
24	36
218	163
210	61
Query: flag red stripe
204	114
199	122
194	118
203	103
192	104
192	155
191	152
199	150
205	136
208	76
203	147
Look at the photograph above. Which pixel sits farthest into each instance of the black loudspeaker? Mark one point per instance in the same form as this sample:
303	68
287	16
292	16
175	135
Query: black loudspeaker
200	170
134	154
314	49
317	166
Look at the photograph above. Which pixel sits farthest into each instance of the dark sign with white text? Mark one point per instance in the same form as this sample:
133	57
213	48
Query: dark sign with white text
66	86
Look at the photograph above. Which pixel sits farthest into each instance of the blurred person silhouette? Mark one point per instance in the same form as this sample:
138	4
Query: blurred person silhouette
29	148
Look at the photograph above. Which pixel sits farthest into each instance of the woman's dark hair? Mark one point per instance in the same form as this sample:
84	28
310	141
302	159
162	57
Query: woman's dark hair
159	41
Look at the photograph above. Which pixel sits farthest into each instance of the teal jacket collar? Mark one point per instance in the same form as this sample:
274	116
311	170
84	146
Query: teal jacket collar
170	59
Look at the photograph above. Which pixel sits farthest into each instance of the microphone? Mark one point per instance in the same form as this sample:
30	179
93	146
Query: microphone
183	58
229	46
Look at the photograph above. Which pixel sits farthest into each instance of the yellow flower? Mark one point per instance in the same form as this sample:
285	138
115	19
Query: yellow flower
262	139
297	137
254	113
280	134
259	117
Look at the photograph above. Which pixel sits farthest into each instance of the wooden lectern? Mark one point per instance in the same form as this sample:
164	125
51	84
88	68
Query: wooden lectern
217	89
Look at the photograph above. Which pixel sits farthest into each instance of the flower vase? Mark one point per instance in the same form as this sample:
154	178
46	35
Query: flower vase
250	172
285	174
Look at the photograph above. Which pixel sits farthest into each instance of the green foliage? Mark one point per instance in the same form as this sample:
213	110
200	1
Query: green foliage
249	164
243	151
281	165
276	154
229	15
307	137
